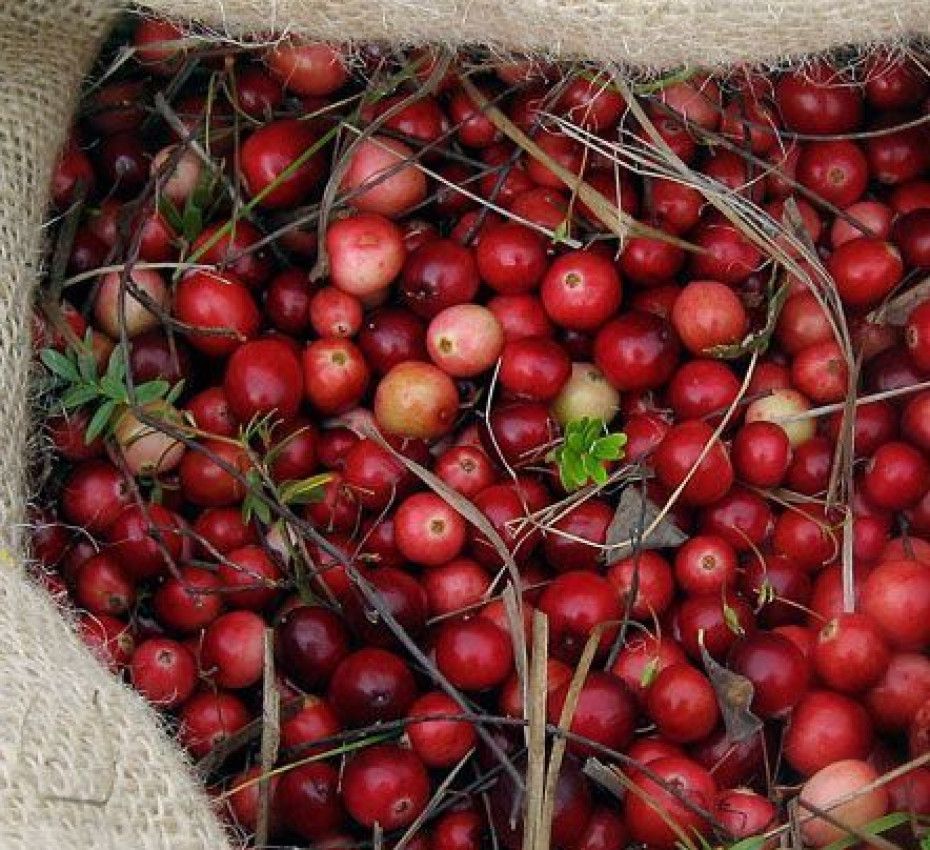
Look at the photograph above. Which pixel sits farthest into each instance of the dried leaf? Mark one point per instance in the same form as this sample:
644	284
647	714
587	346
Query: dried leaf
734	696
631	514
896	311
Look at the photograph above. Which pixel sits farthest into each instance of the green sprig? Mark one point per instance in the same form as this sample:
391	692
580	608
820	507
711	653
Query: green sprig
77	384
586	452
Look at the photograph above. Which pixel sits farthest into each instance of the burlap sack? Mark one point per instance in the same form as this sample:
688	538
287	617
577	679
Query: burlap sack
83	762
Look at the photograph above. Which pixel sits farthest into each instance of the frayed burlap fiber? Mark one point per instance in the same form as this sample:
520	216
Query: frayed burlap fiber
651	34
83	762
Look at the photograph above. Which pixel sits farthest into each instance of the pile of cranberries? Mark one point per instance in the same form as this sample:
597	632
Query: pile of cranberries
386	316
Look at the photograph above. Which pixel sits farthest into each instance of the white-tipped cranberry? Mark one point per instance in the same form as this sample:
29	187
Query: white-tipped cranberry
135	315
587	393
366	252
784	404
146	449
465	340
178	172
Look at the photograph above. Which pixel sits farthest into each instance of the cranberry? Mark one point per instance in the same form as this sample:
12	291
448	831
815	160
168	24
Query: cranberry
217	303
385	784
163	671
680	452
311	641
720	622
641	660
436	739
581	290
896	594
865	271
651	576
636	351
652	813
903	687
371	685
307	800
576	602
189	602
826	727
474	654
208	719
682	704
817	99
273	150
779	673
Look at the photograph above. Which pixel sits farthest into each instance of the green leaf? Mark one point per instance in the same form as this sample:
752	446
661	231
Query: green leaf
875	827
562	231
925	842
79	395
151	391
87	366
116	365
731	618
113	389
175	392
59	365
650	671
305	491
754	842
170	213
99	421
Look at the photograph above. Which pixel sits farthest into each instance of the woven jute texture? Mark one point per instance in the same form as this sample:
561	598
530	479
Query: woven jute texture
83	762
655	34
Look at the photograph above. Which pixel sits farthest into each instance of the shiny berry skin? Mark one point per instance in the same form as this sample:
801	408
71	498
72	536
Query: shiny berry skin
821	372
466	469
403	597
307	800
761	453
511	258
437	275
678	453
163	671
705	564
779	673
428	531
207	719
94	495
835	170
416	400
287	301
702	389
231	649
917	335
826	727
896	476
250	578
806	535
636	351
648	813
310	642
574	539
269	152
865	271
371	685
576	602
133	539
652	576
385	784
335	374
535	368
108	638
581	290
850	654
818	100
903	688
216	302
780	587
101	586
896	594
205	482
708	313
642	658
189	602
743	813
439	742
605	713
723	621
682	704
263	377
474	654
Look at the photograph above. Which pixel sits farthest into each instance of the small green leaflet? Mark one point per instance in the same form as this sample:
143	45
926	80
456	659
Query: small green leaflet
79	385
305	491
585	453
875	827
